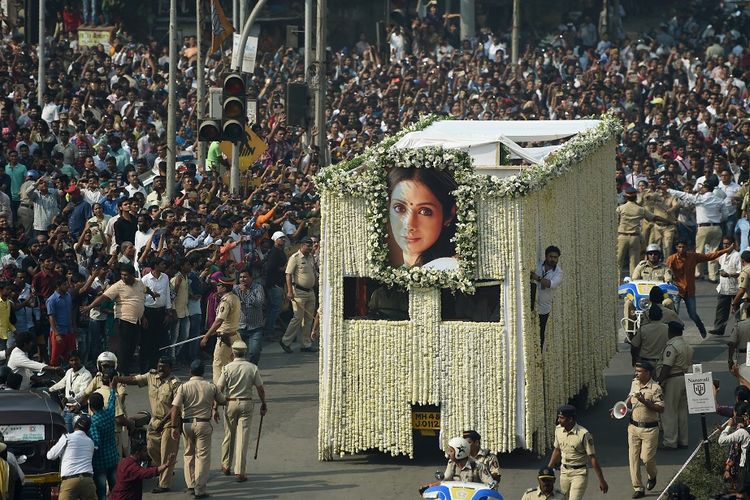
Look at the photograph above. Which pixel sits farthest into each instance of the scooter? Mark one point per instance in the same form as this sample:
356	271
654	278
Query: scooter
461	490
637	293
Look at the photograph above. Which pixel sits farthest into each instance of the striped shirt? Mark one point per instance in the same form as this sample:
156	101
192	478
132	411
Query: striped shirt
46	207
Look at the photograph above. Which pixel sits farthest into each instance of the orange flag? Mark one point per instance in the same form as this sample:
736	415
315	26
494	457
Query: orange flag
221	28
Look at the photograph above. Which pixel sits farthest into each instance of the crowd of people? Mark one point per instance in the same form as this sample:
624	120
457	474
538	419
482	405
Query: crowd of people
99	268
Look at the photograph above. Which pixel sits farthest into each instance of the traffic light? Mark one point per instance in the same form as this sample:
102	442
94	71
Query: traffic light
233	109
209	130
297	104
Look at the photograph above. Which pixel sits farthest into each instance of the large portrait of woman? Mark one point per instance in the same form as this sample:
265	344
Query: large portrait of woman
422	218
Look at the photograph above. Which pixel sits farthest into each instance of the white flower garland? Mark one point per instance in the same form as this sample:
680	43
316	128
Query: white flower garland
489	376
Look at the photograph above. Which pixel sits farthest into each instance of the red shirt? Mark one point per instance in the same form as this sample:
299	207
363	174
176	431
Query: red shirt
129	480
44	285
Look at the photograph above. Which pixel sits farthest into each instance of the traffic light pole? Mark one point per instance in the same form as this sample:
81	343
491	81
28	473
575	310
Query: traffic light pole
234	177
320	94
201	101
171	106
41	77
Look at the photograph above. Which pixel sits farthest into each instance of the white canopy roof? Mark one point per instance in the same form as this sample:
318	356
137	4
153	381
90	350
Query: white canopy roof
475	136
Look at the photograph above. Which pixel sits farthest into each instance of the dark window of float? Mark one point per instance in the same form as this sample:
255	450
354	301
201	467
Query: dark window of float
365	298
481	307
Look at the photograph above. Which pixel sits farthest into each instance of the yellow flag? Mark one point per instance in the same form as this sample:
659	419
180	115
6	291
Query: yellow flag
221	28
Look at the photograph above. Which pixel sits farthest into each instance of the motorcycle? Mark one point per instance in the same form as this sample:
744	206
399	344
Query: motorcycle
636	292
460	490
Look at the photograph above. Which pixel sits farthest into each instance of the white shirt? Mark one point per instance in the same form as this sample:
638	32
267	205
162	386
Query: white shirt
92	195
709	207
76	450
544	295
729	190
737	436
141	239
158	285
20	363
138	189
73	382
730	264
191	241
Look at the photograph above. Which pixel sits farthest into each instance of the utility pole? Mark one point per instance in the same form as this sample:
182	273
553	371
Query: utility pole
41	76
201	152
243	12
467	19
236	14
320	95
308	37
171	115
234	177
514	35
308	57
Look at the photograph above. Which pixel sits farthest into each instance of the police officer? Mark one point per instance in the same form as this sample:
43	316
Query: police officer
629	218
301	277
646	402
575	446
194	403
461	467
162	389
236	382
546	489
743	286
106	364
226	325
652	268
483	455
676	360
650	338
666	206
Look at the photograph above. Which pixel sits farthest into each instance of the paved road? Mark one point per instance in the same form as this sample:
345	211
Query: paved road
288	467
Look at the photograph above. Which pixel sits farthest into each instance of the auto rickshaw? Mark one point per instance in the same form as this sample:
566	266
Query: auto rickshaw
31	423
459	490
637	293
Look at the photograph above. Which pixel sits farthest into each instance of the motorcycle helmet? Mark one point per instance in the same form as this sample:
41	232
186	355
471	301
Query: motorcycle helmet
82	422
108	358
653	247
460	446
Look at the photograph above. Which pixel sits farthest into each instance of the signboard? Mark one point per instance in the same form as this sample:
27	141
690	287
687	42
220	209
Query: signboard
700	393
251	49
18	433
94	37
250	150
252	110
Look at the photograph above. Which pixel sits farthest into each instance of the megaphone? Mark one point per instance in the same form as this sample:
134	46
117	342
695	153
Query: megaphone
619	410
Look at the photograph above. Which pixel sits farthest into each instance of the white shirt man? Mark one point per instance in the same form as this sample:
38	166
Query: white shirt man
74	382
76	450
709	207
19	362
729	189
159	285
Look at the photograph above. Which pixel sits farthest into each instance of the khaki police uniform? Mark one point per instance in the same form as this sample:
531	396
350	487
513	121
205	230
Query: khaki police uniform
647	201
196	398
648	272
236	381
743	281
739	337
472	472
490	462
629	218
228	311
651	338
536	494
575	447
643	431
160	443
664	234
679	355
121	432
304	277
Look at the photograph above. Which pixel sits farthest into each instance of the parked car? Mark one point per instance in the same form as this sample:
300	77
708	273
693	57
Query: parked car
31	423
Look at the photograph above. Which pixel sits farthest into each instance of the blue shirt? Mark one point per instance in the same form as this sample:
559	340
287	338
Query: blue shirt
61	308
109	206
742	230
78	216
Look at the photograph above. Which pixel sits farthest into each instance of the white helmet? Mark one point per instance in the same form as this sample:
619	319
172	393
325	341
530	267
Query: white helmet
653	247
460	446
106	357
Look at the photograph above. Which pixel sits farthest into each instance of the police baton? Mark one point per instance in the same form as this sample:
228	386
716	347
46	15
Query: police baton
257	443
